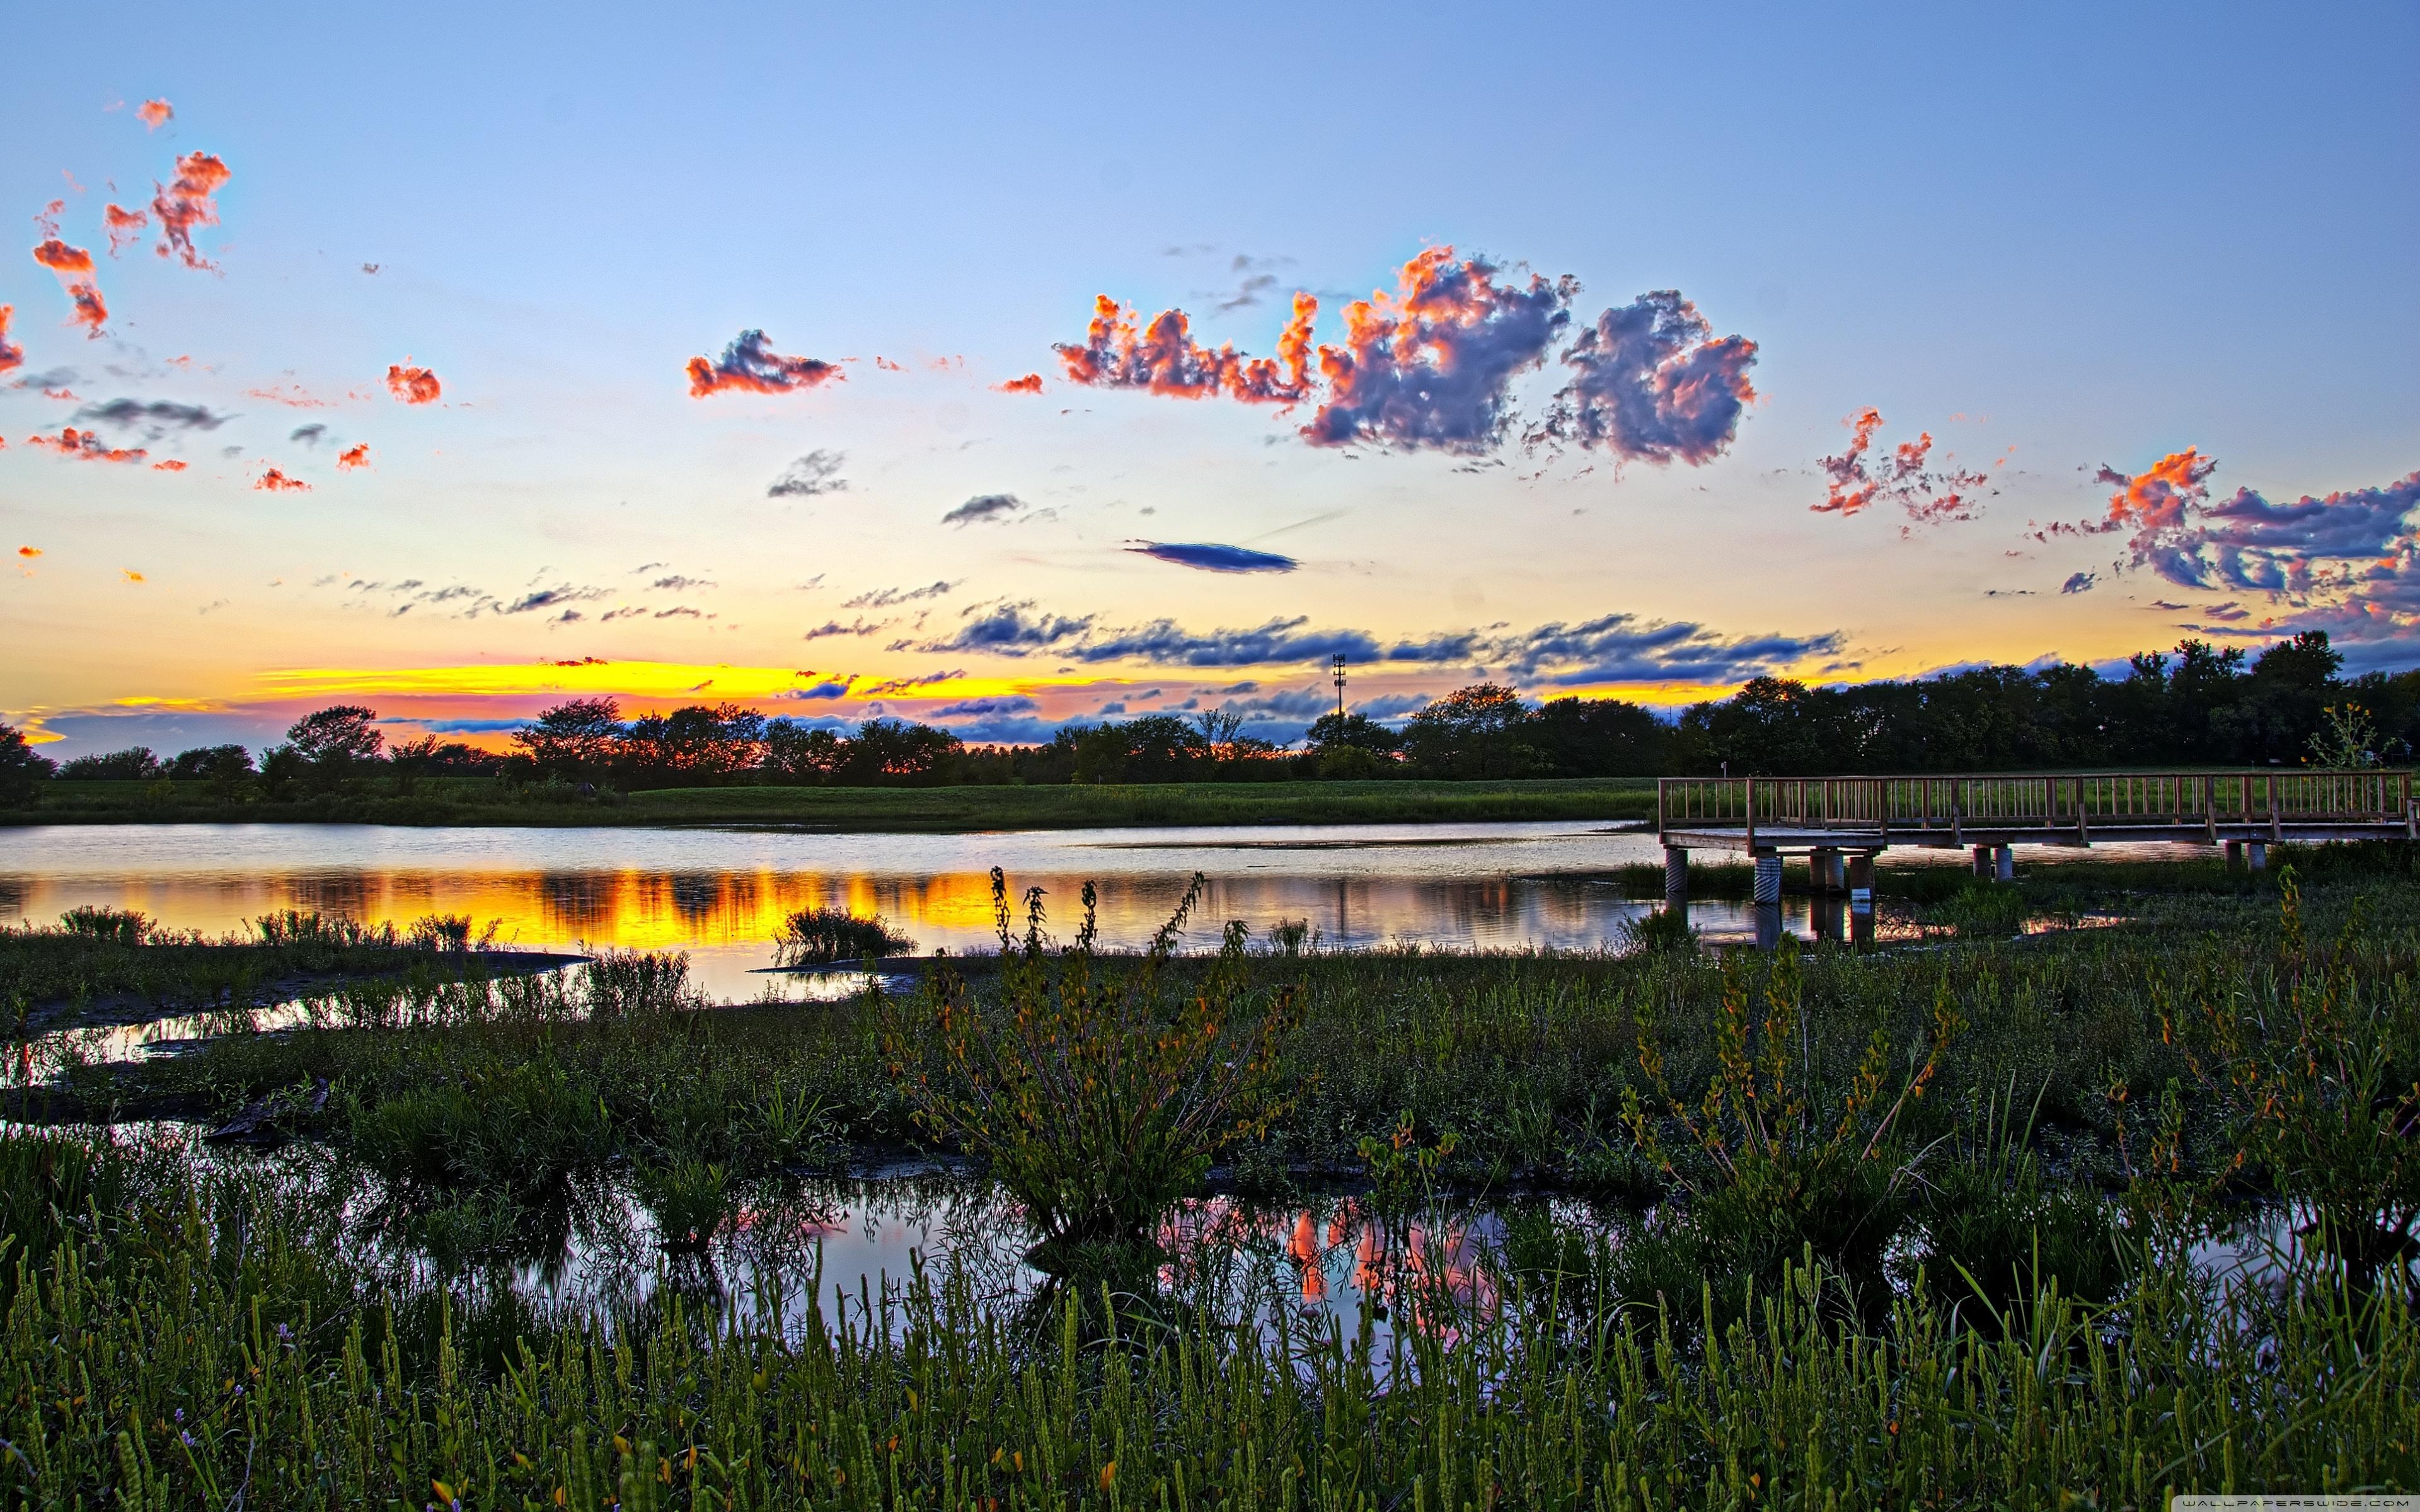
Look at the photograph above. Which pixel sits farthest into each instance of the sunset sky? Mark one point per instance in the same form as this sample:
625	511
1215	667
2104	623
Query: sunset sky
425	379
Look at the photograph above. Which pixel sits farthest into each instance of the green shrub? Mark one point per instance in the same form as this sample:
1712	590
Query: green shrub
1094	1099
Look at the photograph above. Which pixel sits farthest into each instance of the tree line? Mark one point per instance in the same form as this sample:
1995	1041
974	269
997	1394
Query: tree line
2196	705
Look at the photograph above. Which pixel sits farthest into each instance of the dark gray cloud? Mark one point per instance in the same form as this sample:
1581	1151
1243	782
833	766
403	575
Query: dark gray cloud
1622	648
155	418
551	598
892	597
1651	382
1009	629
676	583
2080	583
310	435
1209	558
833	628
985	506
817	472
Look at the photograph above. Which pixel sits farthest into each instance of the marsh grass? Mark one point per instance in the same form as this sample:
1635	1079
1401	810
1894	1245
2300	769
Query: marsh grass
205	1342
819	936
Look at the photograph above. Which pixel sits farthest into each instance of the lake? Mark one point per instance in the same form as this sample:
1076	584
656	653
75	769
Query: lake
721	894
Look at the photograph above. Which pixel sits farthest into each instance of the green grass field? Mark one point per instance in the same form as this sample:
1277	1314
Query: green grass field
475	801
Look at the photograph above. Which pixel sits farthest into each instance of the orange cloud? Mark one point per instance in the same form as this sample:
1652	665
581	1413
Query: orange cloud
155	114
125	228
1030	383
11	355
1163	358
189	202
86	447
172	465
2159	497
74	266
354	457
29	551
751	366
132	575
412	385
888	365
1851	489
274	481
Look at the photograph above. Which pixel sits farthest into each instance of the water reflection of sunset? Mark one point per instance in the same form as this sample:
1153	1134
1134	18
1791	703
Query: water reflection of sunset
723	895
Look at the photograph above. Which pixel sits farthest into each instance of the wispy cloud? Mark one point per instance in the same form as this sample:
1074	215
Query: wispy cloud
155	418
817	472
892	597
987	506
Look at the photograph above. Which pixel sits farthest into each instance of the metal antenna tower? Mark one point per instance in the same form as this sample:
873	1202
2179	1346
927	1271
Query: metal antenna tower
1339	686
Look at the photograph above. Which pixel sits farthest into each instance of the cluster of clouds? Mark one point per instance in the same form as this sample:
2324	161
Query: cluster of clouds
2348	562
1430	367
1905	477
1610	648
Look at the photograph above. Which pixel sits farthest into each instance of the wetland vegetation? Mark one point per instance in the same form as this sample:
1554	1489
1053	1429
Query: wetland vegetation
1933	1222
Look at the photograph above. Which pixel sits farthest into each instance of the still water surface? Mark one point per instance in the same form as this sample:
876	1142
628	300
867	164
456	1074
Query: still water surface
721	894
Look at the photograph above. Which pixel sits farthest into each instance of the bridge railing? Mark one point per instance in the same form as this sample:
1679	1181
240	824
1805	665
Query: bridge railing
2077	801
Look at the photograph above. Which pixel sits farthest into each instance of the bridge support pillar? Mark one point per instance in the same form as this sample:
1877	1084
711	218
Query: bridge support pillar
2004	864
1768	879
1676	881
2259	855
1982	861
1768	926
2234	854
1827	871
1861	898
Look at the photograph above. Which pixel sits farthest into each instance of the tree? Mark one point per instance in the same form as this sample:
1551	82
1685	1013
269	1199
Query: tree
794	753
576	740
695	741
334	740
1331	731
1471	732
133	765
205	763
1220	728
22	768
896	752
1598	737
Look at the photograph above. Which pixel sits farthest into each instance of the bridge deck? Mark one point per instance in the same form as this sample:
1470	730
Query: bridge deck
1770	815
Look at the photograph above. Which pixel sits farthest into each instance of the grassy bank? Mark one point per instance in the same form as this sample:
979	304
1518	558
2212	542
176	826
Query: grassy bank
478	801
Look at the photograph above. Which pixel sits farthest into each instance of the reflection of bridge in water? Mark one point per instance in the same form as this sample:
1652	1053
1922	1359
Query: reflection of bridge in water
1840	824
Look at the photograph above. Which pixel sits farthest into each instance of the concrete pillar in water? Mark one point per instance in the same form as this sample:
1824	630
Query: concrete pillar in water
1768	879
2259	855
1824	872
2004	864
1768	926
2234	854
1982	861
1676	878
1861	898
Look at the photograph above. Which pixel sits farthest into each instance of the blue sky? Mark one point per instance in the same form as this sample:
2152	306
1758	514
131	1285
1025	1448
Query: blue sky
2099	236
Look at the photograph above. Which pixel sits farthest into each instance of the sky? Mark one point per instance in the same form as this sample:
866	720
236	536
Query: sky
479	358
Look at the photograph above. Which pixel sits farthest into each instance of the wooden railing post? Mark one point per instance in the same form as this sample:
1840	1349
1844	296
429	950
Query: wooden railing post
1751	817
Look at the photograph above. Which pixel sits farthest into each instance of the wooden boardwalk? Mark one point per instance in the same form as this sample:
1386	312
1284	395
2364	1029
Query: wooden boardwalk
1771	816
